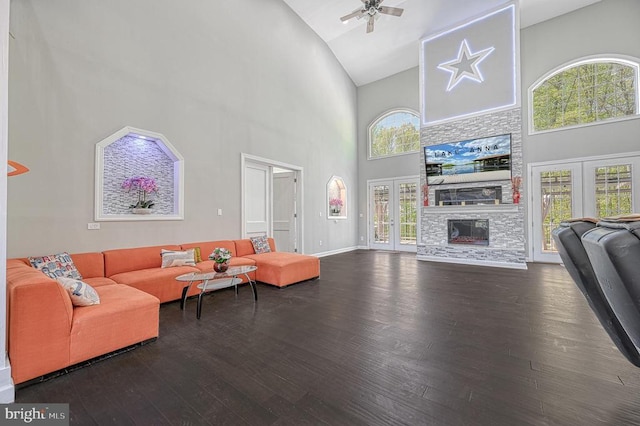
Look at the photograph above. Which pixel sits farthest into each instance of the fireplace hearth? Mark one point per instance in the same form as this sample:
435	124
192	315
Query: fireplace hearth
468	231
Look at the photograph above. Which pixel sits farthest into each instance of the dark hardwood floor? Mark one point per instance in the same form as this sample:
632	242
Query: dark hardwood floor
379	339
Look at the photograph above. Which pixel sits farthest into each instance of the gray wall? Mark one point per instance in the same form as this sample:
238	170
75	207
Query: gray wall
610	26
216	78
607	27
397	91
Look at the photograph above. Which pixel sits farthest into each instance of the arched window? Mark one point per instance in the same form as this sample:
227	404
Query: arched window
584	92
395	132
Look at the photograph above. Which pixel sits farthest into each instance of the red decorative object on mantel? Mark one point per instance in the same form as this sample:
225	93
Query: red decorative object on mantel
425	195
515	189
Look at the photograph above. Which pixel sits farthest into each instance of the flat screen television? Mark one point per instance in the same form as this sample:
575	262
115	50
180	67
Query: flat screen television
472	160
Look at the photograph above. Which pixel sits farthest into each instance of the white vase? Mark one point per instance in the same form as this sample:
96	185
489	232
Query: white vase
141	211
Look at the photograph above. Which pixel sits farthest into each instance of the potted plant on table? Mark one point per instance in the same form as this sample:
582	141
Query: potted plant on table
220	257
142	185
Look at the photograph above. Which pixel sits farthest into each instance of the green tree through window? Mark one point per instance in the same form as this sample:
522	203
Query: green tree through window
396	132
586	92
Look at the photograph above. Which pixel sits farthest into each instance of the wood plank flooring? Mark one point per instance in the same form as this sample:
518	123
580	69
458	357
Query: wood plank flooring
379	339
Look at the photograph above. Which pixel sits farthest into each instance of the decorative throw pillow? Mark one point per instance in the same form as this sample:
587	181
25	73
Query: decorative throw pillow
56	265
197	255
81	293
260	244
171	258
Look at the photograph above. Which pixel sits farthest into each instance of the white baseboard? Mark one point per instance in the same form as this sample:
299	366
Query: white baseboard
338	251
472	262
7	388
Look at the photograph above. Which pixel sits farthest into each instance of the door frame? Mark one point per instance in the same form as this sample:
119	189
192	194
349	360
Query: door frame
530	192
244	158
394	180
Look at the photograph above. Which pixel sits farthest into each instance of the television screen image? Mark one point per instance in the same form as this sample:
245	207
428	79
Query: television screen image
473	160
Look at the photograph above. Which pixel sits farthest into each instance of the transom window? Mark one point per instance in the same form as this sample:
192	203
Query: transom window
395	132
585	92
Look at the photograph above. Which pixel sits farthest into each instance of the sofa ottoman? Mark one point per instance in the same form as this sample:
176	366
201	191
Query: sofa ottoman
279	268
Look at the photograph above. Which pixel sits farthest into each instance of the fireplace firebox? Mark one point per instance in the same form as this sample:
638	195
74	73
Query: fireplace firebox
469	196
468	231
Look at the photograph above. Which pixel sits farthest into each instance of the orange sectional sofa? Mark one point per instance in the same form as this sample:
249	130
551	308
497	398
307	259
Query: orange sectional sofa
47	333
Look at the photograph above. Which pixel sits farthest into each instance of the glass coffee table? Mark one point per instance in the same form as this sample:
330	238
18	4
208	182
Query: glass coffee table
211	281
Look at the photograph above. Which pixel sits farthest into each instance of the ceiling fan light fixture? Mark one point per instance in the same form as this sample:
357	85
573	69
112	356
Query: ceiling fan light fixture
372	10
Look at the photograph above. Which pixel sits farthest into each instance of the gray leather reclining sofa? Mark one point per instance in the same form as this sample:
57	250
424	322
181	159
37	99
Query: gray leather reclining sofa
603	261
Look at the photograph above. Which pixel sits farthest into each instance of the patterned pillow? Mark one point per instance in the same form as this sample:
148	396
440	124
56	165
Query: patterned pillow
171	258
197	254
81	293
56	265
260	244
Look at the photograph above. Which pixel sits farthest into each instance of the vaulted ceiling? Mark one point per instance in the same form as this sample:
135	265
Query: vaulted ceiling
393	45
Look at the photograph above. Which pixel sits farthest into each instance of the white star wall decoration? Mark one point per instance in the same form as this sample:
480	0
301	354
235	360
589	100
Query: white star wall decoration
465	65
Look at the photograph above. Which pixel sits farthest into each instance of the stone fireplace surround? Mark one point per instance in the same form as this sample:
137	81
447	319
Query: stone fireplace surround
506	220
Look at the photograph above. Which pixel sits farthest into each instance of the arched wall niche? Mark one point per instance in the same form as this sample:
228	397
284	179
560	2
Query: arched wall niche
336	198
133	153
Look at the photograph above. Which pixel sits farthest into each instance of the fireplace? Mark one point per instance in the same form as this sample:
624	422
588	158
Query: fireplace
468	231
469	196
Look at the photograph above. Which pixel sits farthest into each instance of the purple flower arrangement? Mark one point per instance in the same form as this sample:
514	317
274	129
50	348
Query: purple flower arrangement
335	202
142	185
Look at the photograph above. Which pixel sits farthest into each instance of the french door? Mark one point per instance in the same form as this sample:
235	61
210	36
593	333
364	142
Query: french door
393	214
582	188
557	196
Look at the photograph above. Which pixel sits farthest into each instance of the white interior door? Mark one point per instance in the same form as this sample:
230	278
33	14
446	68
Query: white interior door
393	214
557	196
257	193
272	201
284	211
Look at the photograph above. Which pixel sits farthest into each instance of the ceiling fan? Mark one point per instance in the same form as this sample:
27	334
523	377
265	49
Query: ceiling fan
371	10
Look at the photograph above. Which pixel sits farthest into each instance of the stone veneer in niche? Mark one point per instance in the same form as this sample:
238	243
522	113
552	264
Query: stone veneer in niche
133	156
507	243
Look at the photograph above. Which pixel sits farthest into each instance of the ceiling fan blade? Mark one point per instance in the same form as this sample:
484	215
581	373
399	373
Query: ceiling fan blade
370	24
395	11
355	14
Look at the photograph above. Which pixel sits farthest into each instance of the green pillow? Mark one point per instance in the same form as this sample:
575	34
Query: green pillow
197	256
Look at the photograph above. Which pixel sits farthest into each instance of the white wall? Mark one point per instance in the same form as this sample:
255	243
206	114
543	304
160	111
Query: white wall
216	78
397	91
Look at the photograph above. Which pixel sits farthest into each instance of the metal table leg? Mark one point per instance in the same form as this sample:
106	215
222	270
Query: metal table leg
185	290
253	287
202	291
